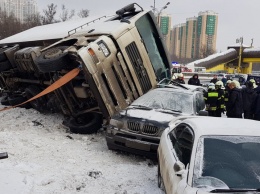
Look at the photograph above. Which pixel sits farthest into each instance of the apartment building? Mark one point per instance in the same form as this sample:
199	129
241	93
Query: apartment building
165	21
20	8
206	32
195	37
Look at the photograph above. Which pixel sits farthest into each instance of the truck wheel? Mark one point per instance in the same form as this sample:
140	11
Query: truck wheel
5	65
2	54
39	103
16	99
87	123
53	59
4	101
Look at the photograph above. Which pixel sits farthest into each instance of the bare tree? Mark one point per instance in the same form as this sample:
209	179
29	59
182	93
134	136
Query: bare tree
83	13
49	14
65	15
204	51
32	21
9	25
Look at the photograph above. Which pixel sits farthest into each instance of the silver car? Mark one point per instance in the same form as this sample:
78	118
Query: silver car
138	128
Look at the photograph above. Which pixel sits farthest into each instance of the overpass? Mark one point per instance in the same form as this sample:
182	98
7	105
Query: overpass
237	59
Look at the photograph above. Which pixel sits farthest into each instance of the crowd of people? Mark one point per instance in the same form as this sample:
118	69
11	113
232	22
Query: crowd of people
229	97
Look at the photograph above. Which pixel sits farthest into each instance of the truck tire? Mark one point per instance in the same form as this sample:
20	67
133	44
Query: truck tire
4	101
39	103
5	65
16	99
2	54
53	59
87	123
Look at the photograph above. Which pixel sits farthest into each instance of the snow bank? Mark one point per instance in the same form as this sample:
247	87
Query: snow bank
44	158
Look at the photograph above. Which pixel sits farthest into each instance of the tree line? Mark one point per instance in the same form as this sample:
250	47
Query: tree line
11	25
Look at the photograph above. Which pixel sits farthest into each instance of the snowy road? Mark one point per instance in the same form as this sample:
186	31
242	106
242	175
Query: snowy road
44	159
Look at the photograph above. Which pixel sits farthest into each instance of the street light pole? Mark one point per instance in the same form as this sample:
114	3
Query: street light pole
154	6
159	12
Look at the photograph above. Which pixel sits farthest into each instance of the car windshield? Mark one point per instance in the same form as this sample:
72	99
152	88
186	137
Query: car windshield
166	100
227	162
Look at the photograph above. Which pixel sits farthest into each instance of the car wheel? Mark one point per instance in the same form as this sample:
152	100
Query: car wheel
159	177
4	101
5	65
39	103
87	123
53	59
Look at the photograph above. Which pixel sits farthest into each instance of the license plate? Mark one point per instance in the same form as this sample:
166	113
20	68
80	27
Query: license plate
137	145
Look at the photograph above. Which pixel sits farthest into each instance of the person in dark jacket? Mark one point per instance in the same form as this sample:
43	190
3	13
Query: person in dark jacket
256	105
194	80
214	80
235	102
248	96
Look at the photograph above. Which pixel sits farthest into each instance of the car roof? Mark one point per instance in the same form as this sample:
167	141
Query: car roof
223	126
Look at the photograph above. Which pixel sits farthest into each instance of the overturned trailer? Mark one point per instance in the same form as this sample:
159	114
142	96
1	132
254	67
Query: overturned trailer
121	57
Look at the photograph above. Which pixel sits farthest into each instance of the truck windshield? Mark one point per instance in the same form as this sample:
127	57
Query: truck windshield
154	46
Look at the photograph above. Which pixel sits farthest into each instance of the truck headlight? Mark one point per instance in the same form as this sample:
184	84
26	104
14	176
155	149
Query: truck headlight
104	48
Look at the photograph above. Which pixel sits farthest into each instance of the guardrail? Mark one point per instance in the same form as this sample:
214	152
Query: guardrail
73	31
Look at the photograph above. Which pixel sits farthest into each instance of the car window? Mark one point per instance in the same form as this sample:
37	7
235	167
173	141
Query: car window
182	139
233	162
167	99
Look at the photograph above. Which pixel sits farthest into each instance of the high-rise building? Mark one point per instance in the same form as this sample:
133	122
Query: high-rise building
20	8
182	37
165	21
175	41
191	27
195	38
206	32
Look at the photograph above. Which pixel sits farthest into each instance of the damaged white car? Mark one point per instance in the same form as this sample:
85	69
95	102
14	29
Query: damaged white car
210	155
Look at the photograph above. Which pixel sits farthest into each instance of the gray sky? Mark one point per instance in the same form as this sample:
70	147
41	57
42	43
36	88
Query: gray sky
237	18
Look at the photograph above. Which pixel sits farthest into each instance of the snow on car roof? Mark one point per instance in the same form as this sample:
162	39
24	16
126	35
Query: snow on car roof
224	126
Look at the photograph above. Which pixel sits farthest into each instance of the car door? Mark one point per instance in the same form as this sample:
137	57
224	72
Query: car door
181	142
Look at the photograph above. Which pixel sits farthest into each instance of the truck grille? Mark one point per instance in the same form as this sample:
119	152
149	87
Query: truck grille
145	129
140	71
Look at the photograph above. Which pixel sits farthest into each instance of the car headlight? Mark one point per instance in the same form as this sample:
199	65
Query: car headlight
104	48
116	123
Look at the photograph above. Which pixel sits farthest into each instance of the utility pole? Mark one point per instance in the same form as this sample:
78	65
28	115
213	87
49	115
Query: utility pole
240	54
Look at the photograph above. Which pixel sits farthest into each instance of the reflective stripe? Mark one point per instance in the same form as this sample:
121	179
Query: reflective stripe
213	94
211	108
222	106
226	99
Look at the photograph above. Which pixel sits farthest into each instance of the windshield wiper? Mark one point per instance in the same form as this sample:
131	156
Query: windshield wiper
142	107
233	190
169	111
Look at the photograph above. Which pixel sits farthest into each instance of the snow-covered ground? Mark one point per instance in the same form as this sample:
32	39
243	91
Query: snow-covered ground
45	159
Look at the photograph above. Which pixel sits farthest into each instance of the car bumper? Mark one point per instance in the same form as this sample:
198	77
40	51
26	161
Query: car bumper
133	143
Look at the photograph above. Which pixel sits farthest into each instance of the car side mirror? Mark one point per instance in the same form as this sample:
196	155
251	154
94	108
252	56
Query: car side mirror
179	169
203	113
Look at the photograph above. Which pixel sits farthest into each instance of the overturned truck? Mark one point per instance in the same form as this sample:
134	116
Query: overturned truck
121	57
